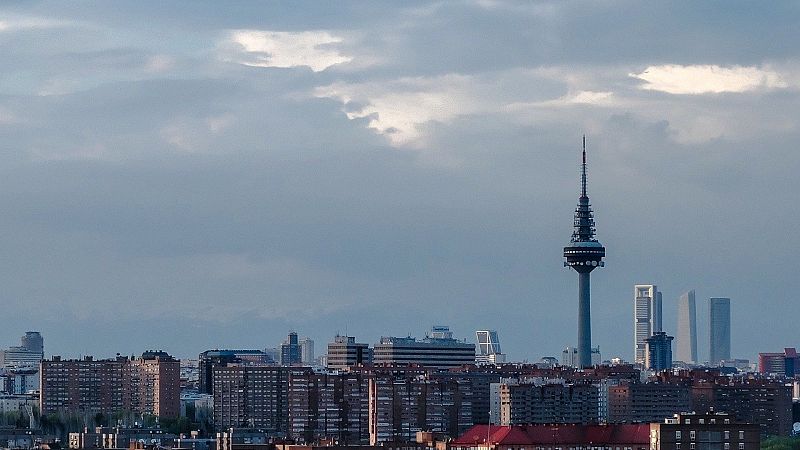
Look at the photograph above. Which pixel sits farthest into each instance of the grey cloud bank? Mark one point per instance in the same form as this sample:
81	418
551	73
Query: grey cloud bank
380	168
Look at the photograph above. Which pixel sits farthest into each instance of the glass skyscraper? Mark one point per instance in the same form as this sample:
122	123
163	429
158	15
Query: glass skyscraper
719	321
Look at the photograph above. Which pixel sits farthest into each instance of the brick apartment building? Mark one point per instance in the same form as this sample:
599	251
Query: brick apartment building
146	385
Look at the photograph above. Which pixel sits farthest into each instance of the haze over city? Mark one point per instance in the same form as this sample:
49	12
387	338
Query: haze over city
194	175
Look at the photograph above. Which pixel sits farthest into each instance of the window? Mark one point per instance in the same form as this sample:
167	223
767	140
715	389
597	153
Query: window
741	445
678	434
727	434
741	435
691	436
727	446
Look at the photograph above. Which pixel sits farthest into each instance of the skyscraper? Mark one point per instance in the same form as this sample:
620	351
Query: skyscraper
488	348
33	342
658	351
719	329
686	340
307	351
647	313
290	351
584	253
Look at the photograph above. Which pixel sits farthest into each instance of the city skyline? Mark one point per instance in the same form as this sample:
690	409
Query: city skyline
184	176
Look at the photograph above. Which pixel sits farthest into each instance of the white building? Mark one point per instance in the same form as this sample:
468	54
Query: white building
19	357
307	351
647	317
686	338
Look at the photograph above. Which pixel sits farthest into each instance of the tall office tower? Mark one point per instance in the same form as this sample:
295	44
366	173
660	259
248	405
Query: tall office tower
345	352
647	313
307	351
488	348
686	340
33	342
584	253
658	354
719	329
290	351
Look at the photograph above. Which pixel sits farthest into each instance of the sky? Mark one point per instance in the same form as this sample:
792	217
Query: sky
190	175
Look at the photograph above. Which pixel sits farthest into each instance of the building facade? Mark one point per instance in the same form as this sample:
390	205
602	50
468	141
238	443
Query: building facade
307	351
146	385
291	353
155	384
658	351
786	364
434	352
646	402
686	338
33	342
345	352
765	402
252	397
210	359
704	431
719	325
405	402
329	406
489	351
548	403
647	318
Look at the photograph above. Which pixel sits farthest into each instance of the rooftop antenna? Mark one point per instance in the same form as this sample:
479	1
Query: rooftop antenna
583	169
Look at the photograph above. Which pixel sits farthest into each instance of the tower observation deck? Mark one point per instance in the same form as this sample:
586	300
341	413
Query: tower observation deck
584	254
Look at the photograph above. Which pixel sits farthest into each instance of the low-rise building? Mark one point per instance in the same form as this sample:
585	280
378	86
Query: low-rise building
713	430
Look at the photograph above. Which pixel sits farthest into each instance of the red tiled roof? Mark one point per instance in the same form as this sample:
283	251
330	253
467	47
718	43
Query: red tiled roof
557	434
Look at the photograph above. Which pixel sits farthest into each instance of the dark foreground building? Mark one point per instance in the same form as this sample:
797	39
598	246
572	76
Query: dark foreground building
554	436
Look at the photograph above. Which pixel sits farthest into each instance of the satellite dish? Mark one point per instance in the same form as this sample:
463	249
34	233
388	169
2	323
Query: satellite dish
796	427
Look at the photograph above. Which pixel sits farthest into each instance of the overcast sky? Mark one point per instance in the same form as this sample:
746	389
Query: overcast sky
193	175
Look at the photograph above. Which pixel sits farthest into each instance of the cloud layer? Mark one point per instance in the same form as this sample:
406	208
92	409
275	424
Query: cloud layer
183	177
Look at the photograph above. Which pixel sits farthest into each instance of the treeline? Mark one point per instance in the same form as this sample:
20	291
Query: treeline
62	423
781	443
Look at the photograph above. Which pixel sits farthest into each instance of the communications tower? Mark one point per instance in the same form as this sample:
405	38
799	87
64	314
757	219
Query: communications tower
584	253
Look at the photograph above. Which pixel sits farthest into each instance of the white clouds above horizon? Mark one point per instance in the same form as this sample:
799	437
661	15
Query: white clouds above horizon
313	49
705	79
397	108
